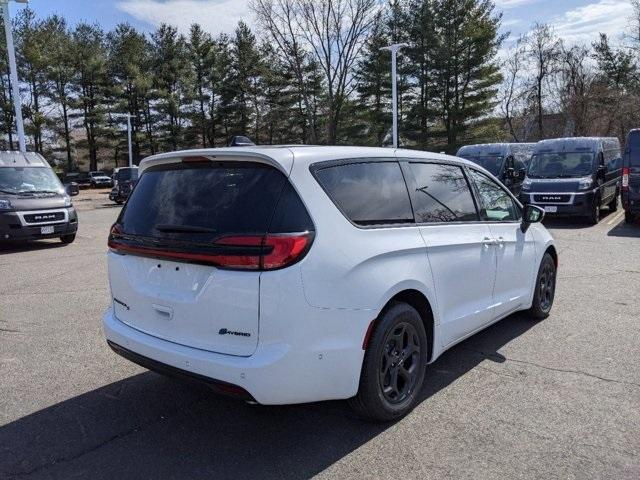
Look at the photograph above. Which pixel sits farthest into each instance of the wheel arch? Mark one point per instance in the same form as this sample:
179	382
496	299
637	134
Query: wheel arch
418	300
551	250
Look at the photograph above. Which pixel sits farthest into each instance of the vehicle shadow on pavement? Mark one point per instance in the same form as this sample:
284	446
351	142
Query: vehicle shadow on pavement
574	223
623	229
19	247
148	426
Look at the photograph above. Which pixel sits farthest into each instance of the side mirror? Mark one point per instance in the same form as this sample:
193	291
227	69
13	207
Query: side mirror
509	173
72	189
531	214
602	170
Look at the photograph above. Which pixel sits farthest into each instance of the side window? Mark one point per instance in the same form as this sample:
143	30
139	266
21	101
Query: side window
497	205
442	194
368	193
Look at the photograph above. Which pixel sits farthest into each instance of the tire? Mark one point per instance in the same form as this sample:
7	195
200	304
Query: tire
119	202
66	239
545	288
629	217
391	378
594	216
613	204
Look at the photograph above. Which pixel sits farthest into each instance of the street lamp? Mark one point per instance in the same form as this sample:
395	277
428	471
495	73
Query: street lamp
129	139
394	89
17	103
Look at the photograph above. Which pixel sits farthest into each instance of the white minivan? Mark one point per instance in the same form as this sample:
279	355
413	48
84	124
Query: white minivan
296	274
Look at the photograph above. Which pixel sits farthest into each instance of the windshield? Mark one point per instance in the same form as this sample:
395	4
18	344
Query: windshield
561	165
25	180
99	174
493	163
127	174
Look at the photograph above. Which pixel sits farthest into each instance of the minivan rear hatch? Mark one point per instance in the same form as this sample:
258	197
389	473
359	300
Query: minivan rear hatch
188	249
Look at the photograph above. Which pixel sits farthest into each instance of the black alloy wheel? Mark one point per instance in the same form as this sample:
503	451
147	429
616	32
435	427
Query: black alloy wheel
399	363
545	288
394	365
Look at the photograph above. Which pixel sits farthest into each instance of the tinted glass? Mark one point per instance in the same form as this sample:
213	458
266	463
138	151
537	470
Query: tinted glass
200	202
23	180
368	193
497	205
442	194
127	174
290	215
562	165
491	163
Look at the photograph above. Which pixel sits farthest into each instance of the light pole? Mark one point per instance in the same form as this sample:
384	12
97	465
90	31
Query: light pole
15	87
394	87
129	139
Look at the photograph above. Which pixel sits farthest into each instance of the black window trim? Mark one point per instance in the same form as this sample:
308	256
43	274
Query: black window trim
412	185
317	166
410	182
479	201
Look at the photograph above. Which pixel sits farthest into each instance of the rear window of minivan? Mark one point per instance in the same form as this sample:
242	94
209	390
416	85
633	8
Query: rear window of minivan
200	202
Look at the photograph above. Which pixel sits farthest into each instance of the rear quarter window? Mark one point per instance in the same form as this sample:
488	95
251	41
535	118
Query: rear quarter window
368	193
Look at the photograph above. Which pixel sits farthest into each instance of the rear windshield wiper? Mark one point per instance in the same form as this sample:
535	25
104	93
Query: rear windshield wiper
166	227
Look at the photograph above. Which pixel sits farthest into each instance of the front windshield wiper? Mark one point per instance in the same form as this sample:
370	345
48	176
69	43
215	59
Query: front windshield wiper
165	227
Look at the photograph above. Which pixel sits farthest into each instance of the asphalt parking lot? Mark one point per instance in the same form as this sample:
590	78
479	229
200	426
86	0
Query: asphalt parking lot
556	399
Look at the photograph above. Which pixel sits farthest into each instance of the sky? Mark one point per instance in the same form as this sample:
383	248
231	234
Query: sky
576	21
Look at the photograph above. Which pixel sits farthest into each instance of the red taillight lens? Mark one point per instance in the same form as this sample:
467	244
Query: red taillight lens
287	249
625	178
246	252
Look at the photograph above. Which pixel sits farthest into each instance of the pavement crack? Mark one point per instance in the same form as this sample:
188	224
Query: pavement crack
107	441
492	356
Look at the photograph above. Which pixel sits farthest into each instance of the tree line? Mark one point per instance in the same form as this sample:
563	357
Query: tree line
311	72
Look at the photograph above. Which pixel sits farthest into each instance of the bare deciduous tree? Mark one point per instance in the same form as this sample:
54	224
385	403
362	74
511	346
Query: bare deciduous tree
544	49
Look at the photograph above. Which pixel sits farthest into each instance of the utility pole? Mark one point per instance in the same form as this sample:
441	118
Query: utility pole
394	87
129	139
15	87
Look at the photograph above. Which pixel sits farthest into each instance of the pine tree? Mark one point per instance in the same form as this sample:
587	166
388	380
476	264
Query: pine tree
60	72
130	86
171	79
374	84
90	85
465	68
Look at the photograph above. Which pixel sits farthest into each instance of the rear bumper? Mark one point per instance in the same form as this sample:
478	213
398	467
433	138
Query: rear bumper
275	374
12	229
218	386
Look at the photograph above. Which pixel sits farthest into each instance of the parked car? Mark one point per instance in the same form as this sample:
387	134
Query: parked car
631	177
574	176
507	161
81	179
100	180
33	203
297	274
124	179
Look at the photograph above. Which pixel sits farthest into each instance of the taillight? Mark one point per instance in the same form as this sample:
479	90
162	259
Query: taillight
237	252
625	178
